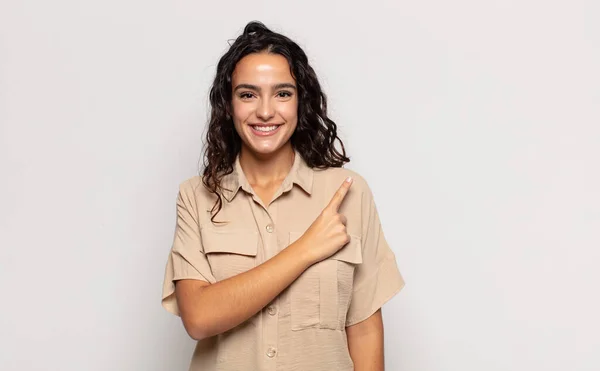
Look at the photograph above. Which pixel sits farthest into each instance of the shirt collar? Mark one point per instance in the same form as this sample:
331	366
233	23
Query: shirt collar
300	174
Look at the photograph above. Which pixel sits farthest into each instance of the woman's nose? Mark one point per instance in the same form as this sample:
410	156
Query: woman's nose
265	110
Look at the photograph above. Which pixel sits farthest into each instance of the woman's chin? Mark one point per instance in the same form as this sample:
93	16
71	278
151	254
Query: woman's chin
264	149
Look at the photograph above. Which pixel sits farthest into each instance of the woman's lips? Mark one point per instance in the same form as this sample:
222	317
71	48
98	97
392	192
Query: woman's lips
263	133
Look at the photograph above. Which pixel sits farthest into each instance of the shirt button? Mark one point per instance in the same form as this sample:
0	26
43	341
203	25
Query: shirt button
271	352
270	228
272	310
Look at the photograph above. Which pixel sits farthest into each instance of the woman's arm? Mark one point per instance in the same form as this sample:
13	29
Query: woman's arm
365	343
207	310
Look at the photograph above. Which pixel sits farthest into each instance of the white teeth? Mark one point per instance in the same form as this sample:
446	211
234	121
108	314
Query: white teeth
265	128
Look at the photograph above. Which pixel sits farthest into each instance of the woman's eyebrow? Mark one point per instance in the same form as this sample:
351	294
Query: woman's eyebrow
284	85
258	88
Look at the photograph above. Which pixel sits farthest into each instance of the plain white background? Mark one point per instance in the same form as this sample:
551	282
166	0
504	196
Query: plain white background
476	123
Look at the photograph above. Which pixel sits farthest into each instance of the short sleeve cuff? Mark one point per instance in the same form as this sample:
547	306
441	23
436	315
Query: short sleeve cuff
177	269
372	294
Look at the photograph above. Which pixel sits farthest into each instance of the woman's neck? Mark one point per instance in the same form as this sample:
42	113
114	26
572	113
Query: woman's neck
267	170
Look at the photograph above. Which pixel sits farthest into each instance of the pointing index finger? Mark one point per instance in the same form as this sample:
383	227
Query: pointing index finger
339	196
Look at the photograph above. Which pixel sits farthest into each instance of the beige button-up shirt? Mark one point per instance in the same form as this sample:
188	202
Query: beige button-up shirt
303	329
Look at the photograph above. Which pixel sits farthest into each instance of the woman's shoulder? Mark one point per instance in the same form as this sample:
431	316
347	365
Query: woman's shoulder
193	186
334	176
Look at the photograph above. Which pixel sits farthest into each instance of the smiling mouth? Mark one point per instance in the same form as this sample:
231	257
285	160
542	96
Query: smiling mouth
265	128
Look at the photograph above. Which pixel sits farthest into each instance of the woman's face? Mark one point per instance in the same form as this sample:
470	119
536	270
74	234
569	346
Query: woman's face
264	102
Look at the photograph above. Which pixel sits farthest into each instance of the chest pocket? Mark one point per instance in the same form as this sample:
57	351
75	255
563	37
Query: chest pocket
320	297
230	253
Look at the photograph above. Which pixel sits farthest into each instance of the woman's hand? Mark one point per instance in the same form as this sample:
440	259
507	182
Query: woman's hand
327	234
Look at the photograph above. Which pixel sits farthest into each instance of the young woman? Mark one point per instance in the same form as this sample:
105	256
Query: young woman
279	261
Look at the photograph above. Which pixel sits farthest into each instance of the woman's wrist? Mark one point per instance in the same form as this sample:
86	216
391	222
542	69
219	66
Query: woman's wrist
302	254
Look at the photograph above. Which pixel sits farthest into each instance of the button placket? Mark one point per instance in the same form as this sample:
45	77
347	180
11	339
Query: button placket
270	312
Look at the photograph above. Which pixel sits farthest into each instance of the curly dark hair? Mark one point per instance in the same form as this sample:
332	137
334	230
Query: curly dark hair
315	134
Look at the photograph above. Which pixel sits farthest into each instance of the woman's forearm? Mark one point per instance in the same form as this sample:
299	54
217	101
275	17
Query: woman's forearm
208	310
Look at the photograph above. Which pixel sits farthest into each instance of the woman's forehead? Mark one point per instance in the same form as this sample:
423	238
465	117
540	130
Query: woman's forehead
262	68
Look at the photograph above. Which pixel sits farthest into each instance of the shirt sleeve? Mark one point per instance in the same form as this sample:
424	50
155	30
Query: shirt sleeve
186	258
377	279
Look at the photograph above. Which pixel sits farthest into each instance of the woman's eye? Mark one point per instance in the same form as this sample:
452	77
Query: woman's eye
284	94
246	95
